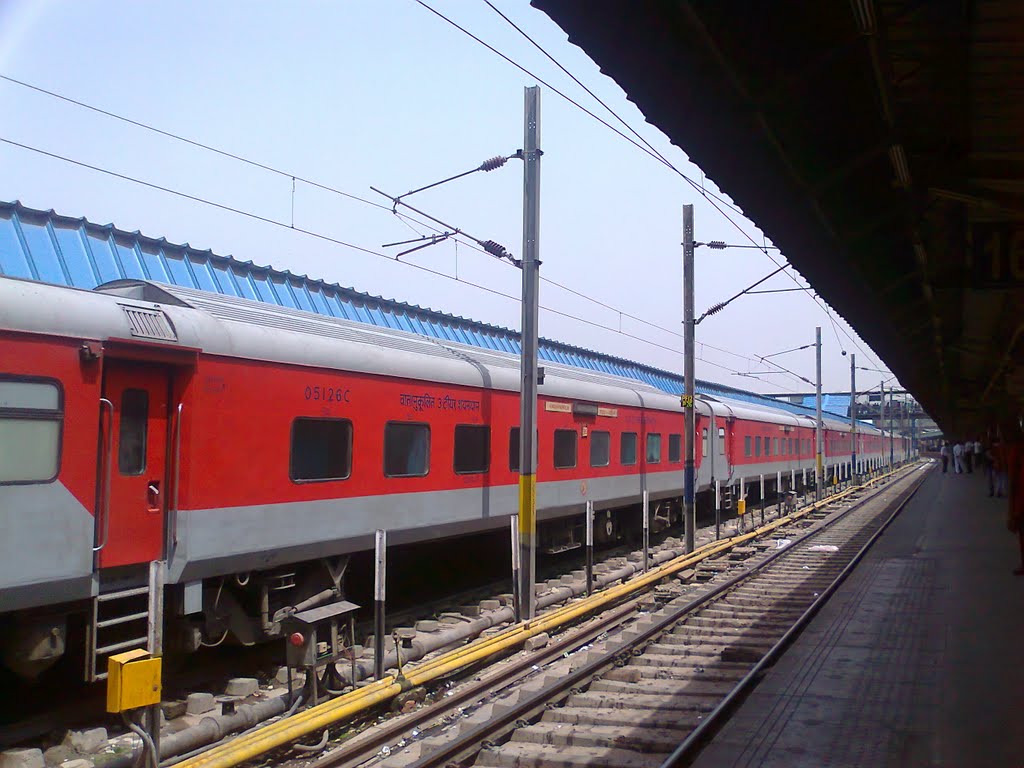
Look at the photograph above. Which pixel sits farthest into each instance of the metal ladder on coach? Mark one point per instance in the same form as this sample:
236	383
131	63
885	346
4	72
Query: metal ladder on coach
124	619
728	500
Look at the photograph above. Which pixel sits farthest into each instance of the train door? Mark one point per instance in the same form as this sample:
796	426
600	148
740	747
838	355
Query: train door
134	528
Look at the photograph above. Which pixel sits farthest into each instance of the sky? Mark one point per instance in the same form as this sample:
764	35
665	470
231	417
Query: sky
384	93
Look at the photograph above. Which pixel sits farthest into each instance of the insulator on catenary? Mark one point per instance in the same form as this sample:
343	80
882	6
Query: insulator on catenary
714	310
494	162
495	249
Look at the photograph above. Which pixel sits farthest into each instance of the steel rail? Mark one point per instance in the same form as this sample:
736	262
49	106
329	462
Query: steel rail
355	751
685	753
285	731
466	744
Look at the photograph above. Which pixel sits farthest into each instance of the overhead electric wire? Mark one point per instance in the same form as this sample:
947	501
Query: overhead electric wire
778	290
785	351
716	308
578	82
328	188
653	153
193	142
814	298
403	217
648	150
336	241
786	370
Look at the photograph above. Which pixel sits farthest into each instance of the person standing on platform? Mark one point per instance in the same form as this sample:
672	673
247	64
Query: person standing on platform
958	458
998	464
1013	456
969	457
944	455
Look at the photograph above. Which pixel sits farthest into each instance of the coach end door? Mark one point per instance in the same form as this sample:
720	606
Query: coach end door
137	462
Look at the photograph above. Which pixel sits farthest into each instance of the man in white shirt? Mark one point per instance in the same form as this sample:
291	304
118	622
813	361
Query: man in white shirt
958	458
944	454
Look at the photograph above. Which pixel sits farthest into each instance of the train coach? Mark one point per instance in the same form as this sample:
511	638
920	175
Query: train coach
249	449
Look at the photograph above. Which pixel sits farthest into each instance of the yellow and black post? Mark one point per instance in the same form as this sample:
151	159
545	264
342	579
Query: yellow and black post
528	344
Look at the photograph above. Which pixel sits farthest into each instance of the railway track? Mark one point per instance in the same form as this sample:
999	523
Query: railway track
446	703
630	685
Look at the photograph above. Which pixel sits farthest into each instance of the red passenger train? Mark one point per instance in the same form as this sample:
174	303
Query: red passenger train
250	448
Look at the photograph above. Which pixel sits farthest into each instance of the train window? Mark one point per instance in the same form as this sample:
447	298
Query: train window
473	449
757	445
31	425
600	449
627	448
704	442
565	448
131	439
746	445
513	449
721	441
775	446
791	446
653	448
321	449
406	449
675	447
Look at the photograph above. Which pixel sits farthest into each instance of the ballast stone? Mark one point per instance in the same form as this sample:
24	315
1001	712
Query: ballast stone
242	686
298	677
87	742
172	709
200	703
22	758
537	641
54	756
78	762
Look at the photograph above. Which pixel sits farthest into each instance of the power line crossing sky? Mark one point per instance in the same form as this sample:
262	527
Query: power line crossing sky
386	93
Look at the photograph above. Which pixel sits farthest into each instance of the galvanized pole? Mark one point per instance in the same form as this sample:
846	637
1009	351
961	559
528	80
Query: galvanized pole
528	364
892	437
379	594
853	414
742	505
647	534
778	494
818	435
718	510
689	508
514	538
881	418
590	547
155	642
762	499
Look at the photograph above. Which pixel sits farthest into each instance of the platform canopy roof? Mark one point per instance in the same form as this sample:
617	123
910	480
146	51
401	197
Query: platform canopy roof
879	143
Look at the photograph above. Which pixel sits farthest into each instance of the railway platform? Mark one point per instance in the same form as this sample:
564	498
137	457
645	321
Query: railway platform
917	660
